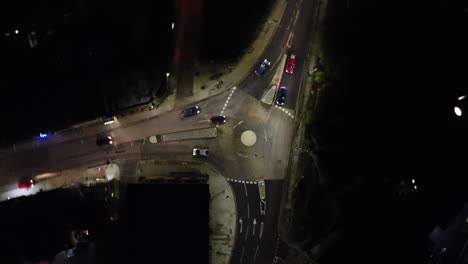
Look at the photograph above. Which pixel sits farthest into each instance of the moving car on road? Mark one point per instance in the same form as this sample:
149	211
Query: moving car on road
262	67
290	62
200	152
191	111
104	139
26	184
281	95
218	119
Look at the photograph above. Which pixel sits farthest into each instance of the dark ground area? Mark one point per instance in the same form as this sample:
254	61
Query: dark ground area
91	58
152	223
166	223
38	227
396	70
229	27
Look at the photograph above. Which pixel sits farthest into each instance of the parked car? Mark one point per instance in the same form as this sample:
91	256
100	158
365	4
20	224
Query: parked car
262	67
26	184
191	111
104	139
200	152
281	95
290	62
218	119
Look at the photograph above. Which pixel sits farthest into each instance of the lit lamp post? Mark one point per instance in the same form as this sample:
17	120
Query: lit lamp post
458	108
167	80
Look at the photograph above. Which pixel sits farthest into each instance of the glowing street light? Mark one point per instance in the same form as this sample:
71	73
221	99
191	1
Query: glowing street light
167	74
16	32
457	111
173	25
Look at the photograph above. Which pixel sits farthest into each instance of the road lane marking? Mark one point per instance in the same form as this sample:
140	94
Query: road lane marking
242	155
245	188
254	224
227	100
261	229
240	223
290	38
248	211
242	254
246	233
256	251
285	111
234	127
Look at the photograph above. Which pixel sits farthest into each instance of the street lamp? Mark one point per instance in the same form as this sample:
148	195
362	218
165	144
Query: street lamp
167	74
457	111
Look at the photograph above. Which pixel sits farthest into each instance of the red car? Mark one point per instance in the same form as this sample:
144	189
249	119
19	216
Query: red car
26	184
290	63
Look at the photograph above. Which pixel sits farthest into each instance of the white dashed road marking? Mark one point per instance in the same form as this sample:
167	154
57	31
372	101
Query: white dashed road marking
285	111
227	100
242	181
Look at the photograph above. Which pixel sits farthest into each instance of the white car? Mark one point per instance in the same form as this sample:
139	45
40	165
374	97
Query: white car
200	152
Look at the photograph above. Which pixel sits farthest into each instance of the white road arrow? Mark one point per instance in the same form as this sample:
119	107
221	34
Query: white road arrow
240	223
254	224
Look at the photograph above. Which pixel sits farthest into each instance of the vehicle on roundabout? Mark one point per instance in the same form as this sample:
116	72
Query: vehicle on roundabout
218	119
195	110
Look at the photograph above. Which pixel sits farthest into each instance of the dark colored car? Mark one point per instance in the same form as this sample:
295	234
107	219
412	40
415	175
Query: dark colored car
26	184
281	95
290	63
218	119
191	111
262	67
104	139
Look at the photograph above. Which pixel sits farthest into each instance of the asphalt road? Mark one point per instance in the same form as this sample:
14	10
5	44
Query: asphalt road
257	235
291	35
265	160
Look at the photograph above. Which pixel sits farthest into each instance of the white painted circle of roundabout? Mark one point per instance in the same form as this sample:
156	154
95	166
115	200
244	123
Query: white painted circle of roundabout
248	138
